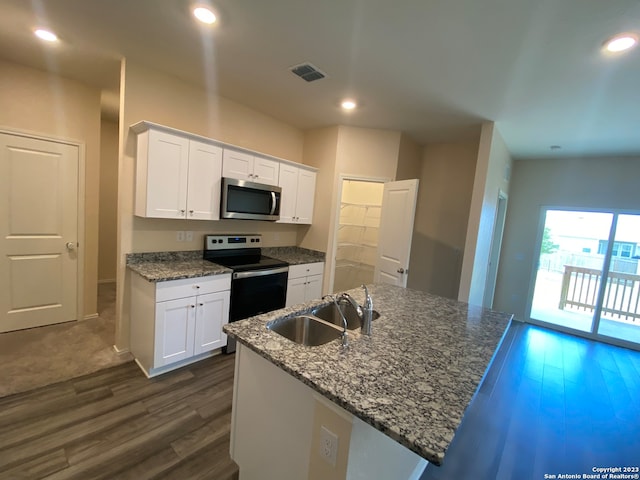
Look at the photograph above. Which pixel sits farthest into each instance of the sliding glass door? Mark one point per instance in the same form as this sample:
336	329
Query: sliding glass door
620	313
587	278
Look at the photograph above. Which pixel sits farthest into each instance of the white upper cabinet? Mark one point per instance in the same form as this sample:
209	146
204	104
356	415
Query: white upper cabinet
244	166
298	191
177	177
204	181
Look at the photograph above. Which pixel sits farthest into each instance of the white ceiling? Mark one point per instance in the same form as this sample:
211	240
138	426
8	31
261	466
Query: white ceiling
434	69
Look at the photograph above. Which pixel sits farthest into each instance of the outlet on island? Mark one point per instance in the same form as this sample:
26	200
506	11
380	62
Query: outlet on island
328	445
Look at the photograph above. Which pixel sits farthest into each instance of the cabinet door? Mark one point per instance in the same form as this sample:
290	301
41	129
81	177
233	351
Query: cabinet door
237	165
296	291
265	171
167	163
205	172
212	312
306	190
175	323
288	181
313	288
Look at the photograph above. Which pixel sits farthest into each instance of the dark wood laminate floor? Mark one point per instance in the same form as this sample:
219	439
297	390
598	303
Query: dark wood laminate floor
550	404
116	423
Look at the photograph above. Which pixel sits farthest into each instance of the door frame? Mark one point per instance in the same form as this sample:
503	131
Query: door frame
497	234
333	233
80	201
593	333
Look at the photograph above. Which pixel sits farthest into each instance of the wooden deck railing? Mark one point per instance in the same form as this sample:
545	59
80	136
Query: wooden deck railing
580	288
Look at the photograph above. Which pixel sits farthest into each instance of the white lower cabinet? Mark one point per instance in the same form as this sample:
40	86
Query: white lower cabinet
304	283
177	322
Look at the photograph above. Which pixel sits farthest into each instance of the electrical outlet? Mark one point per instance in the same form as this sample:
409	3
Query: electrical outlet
188	236
180	236
328	445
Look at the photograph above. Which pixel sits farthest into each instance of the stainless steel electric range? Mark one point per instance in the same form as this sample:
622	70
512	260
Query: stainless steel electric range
258	282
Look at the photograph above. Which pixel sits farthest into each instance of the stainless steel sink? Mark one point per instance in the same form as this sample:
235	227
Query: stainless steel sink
330	314
305	330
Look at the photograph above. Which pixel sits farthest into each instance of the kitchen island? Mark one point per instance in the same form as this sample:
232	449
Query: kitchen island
412	380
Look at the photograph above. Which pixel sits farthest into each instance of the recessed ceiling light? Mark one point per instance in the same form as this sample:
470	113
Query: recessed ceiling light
621	42
348	104
46	35
204	15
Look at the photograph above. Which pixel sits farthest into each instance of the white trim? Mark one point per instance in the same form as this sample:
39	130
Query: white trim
91	316
119	351
106	280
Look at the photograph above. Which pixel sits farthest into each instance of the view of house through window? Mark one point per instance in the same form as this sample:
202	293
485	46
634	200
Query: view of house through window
572	287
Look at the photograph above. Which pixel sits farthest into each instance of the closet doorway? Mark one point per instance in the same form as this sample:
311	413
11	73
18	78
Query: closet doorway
357	229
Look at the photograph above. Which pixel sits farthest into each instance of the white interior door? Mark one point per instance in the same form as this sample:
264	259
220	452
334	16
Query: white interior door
396	229
38	232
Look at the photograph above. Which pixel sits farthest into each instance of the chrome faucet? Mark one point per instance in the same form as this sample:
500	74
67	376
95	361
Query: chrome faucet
354	304
367	312
344	336
364	312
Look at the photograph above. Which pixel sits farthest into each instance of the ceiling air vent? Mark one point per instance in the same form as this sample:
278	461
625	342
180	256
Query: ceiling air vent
307	72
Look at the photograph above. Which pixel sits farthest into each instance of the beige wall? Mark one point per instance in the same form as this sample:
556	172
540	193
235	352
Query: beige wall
161	98
591	183
49	105
409	159
444	197
320	151
491	176
107	236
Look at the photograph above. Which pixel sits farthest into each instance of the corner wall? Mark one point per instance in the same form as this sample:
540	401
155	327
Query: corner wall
108	218
492	175
442	214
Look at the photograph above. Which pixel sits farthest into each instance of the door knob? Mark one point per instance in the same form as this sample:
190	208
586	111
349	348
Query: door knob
70	246
401	270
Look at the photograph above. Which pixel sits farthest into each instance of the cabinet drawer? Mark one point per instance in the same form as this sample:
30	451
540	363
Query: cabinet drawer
187	287
305	269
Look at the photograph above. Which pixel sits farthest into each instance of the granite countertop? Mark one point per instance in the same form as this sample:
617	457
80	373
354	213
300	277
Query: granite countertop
163	266
412	379
294	255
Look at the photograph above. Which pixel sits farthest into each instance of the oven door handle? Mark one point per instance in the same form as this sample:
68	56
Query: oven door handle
259	273
273	203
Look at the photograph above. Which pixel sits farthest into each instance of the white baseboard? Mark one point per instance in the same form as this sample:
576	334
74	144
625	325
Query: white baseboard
120	352
90	316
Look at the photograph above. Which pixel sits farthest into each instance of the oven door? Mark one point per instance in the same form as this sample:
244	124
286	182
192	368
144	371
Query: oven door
249	200
255	292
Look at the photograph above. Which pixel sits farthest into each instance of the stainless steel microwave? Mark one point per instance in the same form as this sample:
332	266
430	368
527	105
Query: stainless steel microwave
249	200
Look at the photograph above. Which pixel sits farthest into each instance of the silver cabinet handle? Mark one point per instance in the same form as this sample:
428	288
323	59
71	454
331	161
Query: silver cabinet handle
182	211
70	246
191	212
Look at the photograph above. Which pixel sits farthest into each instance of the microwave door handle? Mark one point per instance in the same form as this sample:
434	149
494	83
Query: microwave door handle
273	203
